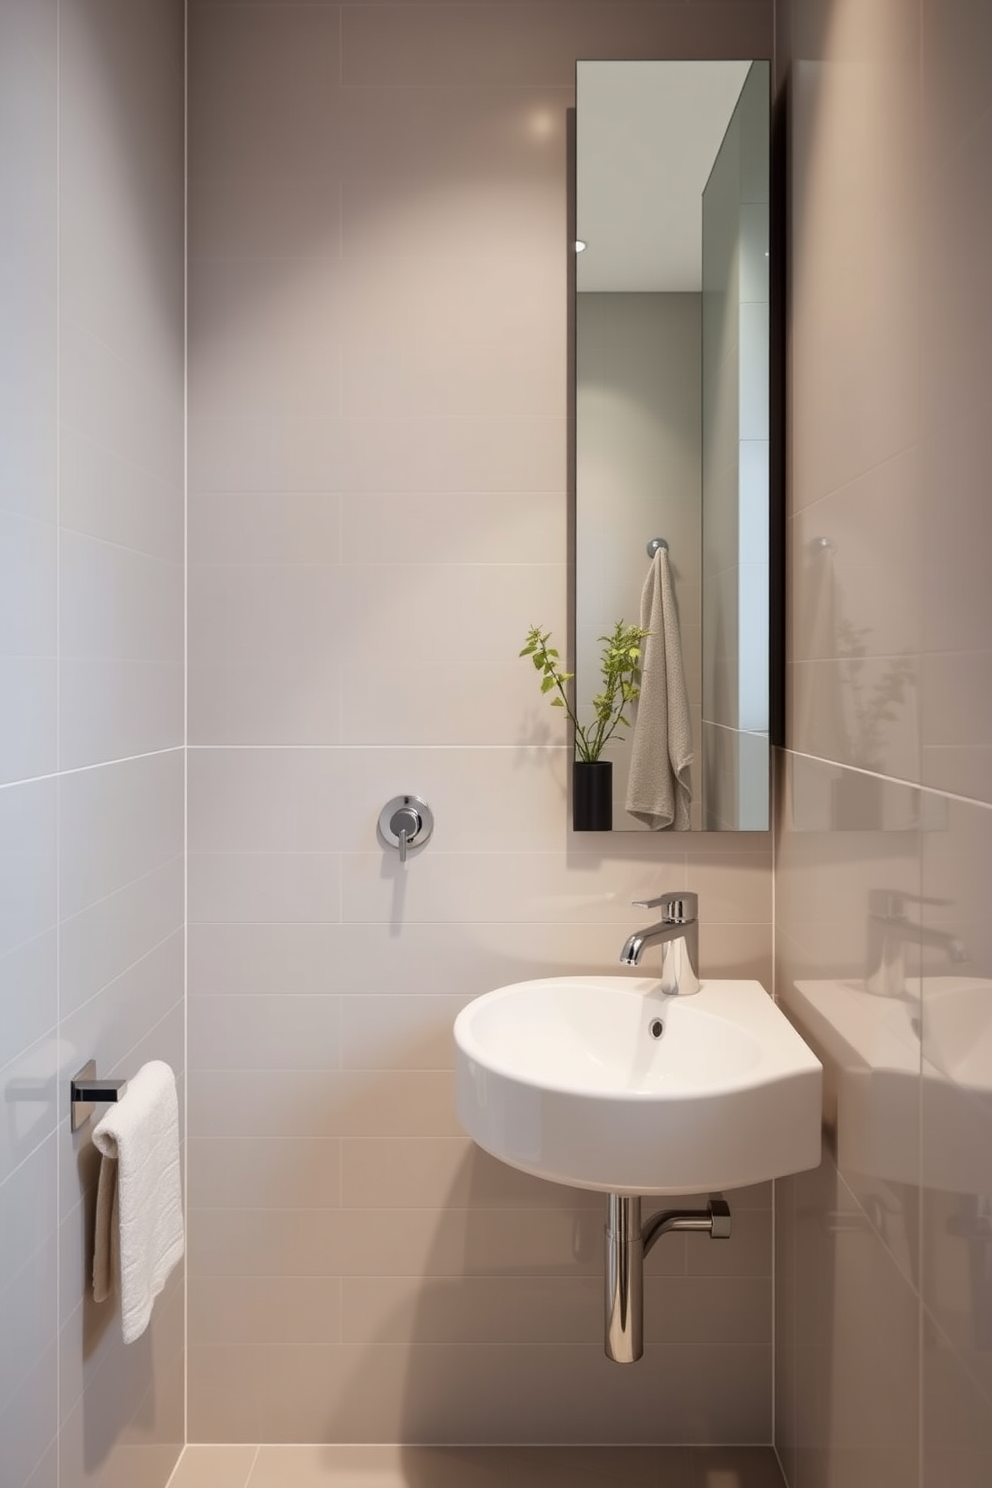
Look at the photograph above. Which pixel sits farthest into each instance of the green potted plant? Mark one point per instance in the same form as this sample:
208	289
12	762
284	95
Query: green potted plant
592	776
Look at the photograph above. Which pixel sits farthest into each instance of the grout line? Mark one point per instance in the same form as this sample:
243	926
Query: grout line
59	774
58	715
928	790
185	1173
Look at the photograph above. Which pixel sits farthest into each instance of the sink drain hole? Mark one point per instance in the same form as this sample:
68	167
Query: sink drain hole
656	1028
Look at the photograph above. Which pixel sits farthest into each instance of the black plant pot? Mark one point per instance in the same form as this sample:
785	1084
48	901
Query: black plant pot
592	796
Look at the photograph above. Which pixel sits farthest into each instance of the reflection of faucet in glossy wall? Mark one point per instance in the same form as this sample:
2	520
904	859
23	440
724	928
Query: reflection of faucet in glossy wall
677	932
889	931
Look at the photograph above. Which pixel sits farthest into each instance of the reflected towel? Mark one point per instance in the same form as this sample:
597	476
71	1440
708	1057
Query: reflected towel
139	1218
821	723
659	791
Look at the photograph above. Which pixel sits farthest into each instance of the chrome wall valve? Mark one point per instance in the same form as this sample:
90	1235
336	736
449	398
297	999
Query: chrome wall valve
405	822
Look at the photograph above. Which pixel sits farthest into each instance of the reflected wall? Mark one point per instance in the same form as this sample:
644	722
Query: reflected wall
887	787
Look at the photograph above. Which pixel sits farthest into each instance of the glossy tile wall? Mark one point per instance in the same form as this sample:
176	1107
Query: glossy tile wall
377	514
91	676
883	1297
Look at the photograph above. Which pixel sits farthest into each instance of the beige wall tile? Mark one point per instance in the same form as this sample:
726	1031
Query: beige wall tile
225	1394
449	462
317	1394
455	1242
401	129
446	1172
786	1338
239	1311
263	90
214	1467
264	1172
265	453
521	1309
265	528
957	1437
279	1032
260	959
273	216
893	419
478	47
454	527
535	886
271	699
291	887
264	336
404	1032
857	1326
864	590
401	378
390	1466
268	1241
504	300
493	706
324	1103
265	611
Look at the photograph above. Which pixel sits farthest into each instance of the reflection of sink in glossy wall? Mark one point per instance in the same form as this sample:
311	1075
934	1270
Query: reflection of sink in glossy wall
609	1083
889	1054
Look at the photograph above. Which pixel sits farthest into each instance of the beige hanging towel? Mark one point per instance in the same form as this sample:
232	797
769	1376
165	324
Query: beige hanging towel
139	1217
659	789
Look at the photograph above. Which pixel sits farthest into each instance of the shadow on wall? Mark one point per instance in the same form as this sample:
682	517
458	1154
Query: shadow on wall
488	1317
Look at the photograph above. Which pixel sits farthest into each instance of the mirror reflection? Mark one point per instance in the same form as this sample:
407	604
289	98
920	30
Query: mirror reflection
671	321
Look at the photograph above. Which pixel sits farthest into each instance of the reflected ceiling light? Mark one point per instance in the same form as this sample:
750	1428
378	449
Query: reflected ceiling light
580	246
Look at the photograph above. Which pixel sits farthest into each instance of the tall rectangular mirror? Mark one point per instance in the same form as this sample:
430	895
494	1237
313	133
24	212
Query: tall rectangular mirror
671	323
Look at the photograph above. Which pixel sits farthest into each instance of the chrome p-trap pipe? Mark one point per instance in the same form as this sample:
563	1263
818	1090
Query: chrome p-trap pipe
627	1243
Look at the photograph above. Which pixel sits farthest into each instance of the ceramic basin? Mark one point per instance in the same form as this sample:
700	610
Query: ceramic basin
606	1082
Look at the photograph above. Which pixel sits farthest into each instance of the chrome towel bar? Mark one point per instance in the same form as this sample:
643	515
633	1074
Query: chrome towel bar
86	1091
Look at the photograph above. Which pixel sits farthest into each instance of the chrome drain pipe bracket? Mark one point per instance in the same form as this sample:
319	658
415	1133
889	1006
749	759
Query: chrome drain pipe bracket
627	1243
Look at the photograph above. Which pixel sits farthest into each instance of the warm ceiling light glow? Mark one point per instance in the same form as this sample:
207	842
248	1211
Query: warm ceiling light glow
541	124
580	246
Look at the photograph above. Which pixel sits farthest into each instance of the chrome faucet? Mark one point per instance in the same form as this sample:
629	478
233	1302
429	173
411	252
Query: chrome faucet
677	932
889	932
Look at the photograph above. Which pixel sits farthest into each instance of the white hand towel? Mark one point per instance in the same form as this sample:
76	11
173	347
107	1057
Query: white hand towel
659	791
139	1216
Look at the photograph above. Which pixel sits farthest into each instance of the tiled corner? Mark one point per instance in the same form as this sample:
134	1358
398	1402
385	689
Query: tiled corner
215	1467
393	1466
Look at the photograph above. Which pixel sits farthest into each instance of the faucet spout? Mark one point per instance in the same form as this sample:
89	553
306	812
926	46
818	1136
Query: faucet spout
889	932
677	933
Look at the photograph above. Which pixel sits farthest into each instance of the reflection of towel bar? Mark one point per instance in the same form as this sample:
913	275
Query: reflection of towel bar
655	544
86	1090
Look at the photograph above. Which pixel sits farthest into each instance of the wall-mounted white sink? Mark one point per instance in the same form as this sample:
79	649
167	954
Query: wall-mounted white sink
605	1082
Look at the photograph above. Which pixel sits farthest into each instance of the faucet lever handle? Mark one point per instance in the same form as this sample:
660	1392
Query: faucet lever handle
680	906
